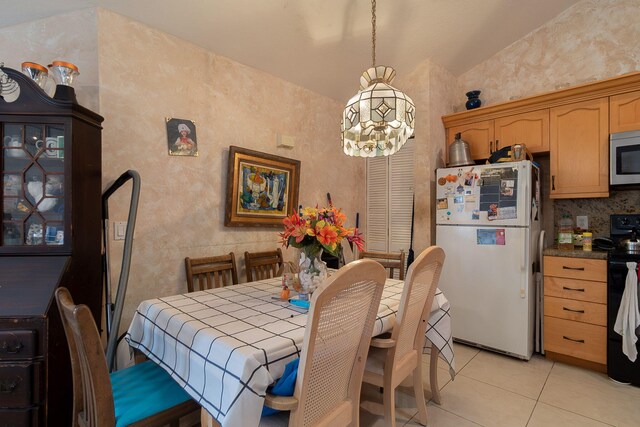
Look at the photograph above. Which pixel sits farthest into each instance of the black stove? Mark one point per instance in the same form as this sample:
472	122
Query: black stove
619	367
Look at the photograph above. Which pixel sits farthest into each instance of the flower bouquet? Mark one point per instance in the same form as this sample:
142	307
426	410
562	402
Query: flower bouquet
313	231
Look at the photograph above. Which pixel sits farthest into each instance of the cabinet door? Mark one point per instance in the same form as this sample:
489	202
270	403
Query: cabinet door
478	135
579	154
531	129
625	112
33	176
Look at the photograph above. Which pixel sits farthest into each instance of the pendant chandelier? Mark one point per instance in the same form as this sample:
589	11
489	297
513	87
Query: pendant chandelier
378	120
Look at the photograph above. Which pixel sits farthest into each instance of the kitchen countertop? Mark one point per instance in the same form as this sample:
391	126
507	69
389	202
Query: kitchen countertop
576	253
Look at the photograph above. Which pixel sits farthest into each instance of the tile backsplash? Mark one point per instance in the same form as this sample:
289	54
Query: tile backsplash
598	210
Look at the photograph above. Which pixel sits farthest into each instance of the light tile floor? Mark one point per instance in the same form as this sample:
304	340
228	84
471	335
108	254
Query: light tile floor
495	390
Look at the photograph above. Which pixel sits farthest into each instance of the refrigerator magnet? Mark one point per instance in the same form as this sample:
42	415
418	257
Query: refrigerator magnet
460	189
442	203
492	212
458	199
475	215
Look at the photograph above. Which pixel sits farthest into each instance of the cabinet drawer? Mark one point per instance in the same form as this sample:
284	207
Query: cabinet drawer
19	384
28	417
576	268
18	344
582	290
580	311
580	340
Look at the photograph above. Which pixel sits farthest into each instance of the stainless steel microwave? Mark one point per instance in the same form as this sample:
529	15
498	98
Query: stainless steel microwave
624	158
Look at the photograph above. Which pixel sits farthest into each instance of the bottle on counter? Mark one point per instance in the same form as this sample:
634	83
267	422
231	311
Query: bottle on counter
587	240
565	233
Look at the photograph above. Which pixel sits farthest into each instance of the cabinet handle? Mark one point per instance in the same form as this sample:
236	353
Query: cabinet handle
572	310
490	147
8	386
553	182
571	339
7	348
497	145
564	267
573	289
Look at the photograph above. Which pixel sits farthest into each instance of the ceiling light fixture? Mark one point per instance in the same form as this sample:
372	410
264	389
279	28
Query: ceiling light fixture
378	120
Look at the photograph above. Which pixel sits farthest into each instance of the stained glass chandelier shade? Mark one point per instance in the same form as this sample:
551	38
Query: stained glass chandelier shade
379	119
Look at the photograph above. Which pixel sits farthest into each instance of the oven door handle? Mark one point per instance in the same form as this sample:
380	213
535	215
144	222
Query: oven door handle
617	264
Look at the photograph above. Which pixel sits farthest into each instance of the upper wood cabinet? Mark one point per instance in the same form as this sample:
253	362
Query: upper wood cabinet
579	155
531	129
624	112
487	136
478	135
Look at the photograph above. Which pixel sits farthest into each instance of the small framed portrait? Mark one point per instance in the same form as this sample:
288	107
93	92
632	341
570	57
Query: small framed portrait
181	137
262	189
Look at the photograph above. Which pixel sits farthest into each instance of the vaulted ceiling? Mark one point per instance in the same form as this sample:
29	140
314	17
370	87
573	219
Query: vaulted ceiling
324	45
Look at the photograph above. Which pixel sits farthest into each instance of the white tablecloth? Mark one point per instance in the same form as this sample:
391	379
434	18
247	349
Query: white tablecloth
225	346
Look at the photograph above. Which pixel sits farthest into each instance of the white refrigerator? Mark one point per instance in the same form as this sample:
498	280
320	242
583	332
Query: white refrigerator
488	222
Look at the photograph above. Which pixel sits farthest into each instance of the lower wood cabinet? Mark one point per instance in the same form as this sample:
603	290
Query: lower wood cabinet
575	310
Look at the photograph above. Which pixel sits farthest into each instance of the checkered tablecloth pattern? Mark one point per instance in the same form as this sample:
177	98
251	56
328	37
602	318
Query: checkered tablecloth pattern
225	346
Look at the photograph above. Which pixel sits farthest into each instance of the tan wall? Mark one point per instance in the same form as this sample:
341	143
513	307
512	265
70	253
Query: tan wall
147	75
592	40
432	89
70	37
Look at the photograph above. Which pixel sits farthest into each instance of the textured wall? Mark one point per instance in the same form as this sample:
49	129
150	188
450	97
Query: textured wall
433	90
592	40
147	75
43	41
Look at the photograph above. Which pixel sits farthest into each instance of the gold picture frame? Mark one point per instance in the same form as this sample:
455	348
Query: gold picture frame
262	189
181	137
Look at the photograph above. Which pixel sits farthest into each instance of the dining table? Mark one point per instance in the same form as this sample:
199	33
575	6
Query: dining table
225	346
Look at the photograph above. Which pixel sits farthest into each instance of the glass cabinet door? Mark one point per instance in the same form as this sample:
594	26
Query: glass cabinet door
33	191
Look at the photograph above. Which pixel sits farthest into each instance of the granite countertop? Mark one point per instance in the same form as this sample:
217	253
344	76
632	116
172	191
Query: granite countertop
576	253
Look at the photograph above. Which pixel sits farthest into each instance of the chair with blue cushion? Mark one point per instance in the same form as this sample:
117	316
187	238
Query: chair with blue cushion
141	395
337	336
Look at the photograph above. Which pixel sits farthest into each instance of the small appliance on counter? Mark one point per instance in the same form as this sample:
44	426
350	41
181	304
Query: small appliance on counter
619	367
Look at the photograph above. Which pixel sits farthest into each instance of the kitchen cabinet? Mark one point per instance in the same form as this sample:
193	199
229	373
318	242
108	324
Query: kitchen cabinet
575	311
485	137
579	150
624	112
50	163
478	135
531	129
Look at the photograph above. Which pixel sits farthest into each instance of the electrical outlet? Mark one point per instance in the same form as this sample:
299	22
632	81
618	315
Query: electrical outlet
119	230
582	222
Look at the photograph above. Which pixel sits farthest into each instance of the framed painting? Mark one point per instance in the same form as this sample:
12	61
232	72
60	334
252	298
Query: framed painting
181	137
262	189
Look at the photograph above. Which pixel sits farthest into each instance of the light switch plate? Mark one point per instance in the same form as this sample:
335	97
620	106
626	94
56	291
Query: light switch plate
119	230
582	222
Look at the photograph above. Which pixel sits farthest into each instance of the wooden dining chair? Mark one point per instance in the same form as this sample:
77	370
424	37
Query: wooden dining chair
263	265
336	340
393	359
389	260
141	395
211	272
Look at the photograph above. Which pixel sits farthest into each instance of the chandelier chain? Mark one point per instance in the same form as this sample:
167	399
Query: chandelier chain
373	32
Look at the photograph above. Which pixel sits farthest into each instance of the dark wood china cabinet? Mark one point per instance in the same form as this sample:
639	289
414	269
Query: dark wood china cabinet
50	164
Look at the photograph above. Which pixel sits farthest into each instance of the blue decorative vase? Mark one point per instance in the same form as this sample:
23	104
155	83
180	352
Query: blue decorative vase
473	101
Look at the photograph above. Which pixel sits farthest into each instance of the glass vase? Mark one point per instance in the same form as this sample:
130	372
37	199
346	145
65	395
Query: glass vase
312	271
